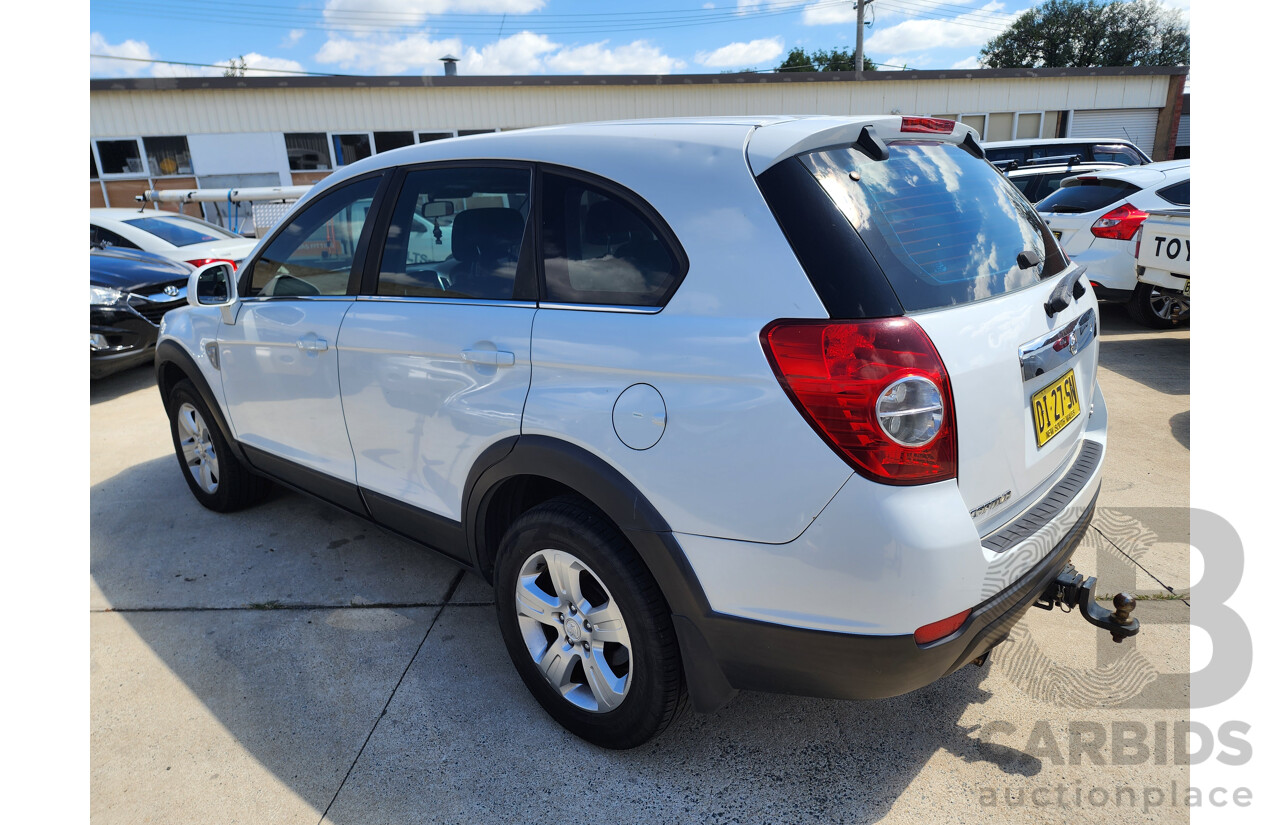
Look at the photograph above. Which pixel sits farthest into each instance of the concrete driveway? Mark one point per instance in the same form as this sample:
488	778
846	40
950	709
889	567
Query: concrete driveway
293	664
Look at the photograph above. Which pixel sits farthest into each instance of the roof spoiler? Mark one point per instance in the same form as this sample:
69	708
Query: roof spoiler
775	142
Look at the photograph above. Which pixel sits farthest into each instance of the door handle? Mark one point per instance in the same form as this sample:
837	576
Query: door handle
492	358
312	344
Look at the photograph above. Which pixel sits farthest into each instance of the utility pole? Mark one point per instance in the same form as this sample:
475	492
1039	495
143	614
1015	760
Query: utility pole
857	59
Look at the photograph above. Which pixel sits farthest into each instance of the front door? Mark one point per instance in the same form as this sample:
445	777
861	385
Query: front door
279	356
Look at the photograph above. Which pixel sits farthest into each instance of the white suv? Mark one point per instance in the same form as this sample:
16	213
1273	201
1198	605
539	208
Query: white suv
805	405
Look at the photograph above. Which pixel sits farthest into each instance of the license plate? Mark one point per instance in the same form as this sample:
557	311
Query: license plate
1054	407
1186	289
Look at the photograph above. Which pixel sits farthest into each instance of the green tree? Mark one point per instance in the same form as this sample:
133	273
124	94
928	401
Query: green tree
1064	33
236	67
823	60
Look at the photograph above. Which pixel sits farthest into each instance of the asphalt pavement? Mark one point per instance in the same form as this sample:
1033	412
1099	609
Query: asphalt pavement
292	664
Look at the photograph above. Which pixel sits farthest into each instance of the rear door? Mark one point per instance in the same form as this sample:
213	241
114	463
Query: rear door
435	354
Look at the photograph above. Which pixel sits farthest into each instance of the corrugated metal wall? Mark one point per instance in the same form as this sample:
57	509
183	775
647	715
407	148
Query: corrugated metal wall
1135	125
292	109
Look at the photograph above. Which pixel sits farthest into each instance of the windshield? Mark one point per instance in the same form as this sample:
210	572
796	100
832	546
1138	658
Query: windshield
182	231
944	225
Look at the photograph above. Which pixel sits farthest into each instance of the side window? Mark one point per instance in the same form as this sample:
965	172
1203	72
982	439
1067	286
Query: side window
1178	194
105	237
314	254
1056	150
1117	154
599	249
457	233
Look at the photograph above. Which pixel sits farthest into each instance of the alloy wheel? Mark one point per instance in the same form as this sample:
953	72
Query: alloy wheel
198	452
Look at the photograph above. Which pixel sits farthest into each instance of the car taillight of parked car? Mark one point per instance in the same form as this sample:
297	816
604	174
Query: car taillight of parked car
875	390
199	262
1119	224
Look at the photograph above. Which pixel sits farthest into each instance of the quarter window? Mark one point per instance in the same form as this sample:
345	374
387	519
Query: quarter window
1178	194
102	237
458	233
599	249
315	253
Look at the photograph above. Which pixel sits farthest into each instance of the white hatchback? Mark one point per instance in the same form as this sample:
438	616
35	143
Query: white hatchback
168	234
805	405
1096	216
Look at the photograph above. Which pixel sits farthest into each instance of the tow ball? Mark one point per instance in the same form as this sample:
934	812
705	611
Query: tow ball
1071	589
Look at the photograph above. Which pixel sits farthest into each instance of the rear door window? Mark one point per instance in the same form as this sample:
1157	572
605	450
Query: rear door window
1087	195
945	227
457	232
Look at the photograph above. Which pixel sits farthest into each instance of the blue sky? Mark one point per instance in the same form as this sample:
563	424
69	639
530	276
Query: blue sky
532	36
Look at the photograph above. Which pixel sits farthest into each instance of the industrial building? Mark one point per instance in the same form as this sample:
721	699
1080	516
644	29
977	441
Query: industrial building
186	133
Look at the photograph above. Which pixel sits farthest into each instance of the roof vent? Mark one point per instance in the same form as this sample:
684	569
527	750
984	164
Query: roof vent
450	65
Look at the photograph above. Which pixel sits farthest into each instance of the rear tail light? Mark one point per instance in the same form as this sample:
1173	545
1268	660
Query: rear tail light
941	628
199	262
928	124
875	390
1120	223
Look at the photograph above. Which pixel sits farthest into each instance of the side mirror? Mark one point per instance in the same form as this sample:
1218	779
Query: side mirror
212	285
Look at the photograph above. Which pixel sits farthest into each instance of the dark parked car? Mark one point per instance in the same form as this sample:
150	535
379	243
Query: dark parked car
129	291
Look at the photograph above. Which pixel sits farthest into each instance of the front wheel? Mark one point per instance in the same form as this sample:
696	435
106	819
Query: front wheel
216	478
1158	308
586	626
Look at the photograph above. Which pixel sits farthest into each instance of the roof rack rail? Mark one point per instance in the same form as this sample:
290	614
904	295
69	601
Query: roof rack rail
1010	165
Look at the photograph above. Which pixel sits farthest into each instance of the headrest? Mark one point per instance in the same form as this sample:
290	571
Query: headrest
486	234
609	222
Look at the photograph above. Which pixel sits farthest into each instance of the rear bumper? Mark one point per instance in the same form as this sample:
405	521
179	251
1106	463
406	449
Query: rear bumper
751	655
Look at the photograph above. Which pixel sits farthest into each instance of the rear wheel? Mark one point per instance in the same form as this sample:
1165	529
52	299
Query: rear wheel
586	626
1159	308
216	478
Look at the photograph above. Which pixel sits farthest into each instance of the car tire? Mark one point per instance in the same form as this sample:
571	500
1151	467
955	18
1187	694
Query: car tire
1157	308
216	477
616	683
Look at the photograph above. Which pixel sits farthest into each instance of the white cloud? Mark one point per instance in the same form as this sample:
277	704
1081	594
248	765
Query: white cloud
708	5
518	54
917	35
387	55
638	57
967	63
827	14
294	36
118	68
364	15
259	65
742	54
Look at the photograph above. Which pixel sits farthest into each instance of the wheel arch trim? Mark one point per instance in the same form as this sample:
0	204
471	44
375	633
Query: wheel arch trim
171	356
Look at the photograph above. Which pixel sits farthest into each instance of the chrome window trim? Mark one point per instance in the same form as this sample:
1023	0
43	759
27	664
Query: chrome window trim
423	299
631	310
262	298
1049	352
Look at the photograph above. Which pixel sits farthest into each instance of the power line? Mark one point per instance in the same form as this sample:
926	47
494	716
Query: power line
214	65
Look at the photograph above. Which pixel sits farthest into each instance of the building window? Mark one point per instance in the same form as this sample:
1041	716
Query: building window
427	137
465	132
1029	125
386	141
120	157
351	148
168	155
93	165
308	151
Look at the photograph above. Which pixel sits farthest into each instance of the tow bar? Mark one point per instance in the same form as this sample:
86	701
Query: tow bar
1071	589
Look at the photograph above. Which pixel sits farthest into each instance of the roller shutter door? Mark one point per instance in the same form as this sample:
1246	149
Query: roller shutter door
1138	126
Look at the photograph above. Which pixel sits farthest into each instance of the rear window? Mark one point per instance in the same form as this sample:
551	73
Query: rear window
1086	195
945	227
181	231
